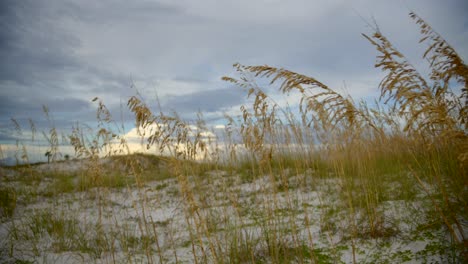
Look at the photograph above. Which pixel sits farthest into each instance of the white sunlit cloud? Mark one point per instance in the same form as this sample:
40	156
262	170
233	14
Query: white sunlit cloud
137	140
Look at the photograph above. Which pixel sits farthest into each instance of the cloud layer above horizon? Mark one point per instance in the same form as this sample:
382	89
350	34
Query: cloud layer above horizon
63	53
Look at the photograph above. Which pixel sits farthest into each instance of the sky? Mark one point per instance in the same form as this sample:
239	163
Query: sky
63	53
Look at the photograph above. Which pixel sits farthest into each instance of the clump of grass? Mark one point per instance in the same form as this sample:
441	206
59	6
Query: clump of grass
8	200
46	231
411	146
365	144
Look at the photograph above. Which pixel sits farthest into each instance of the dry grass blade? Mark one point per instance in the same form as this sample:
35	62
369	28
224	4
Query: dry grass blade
320	178
403	85
445	64
426	109
328	107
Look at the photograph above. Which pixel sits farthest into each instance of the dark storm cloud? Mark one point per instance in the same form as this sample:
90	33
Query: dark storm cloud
10	104
33	47
109	11
6	135
205	101
68	105
40	64
32	110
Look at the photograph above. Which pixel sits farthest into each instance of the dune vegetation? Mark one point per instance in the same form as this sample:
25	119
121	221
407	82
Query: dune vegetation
332	180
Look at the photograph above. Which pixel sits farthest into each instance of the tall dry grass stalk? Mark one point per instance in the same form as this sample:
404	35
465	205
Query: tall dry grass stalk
347	153
433	130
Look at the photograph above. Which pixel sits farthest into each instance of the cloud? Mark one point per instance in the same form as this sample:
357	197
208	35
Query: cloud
117	12
205	101
33	45
59	107
63	53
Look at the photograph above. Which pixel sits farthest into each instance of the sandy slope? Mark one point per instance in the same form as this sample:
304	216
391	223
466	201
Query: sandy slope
122	219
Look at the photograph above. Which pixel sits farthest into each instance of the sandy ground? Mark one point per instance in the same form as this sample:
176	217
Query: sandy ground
124	217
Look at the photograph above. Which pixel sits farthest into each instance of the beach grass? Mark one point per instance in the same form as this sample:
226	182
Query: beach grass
331	181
